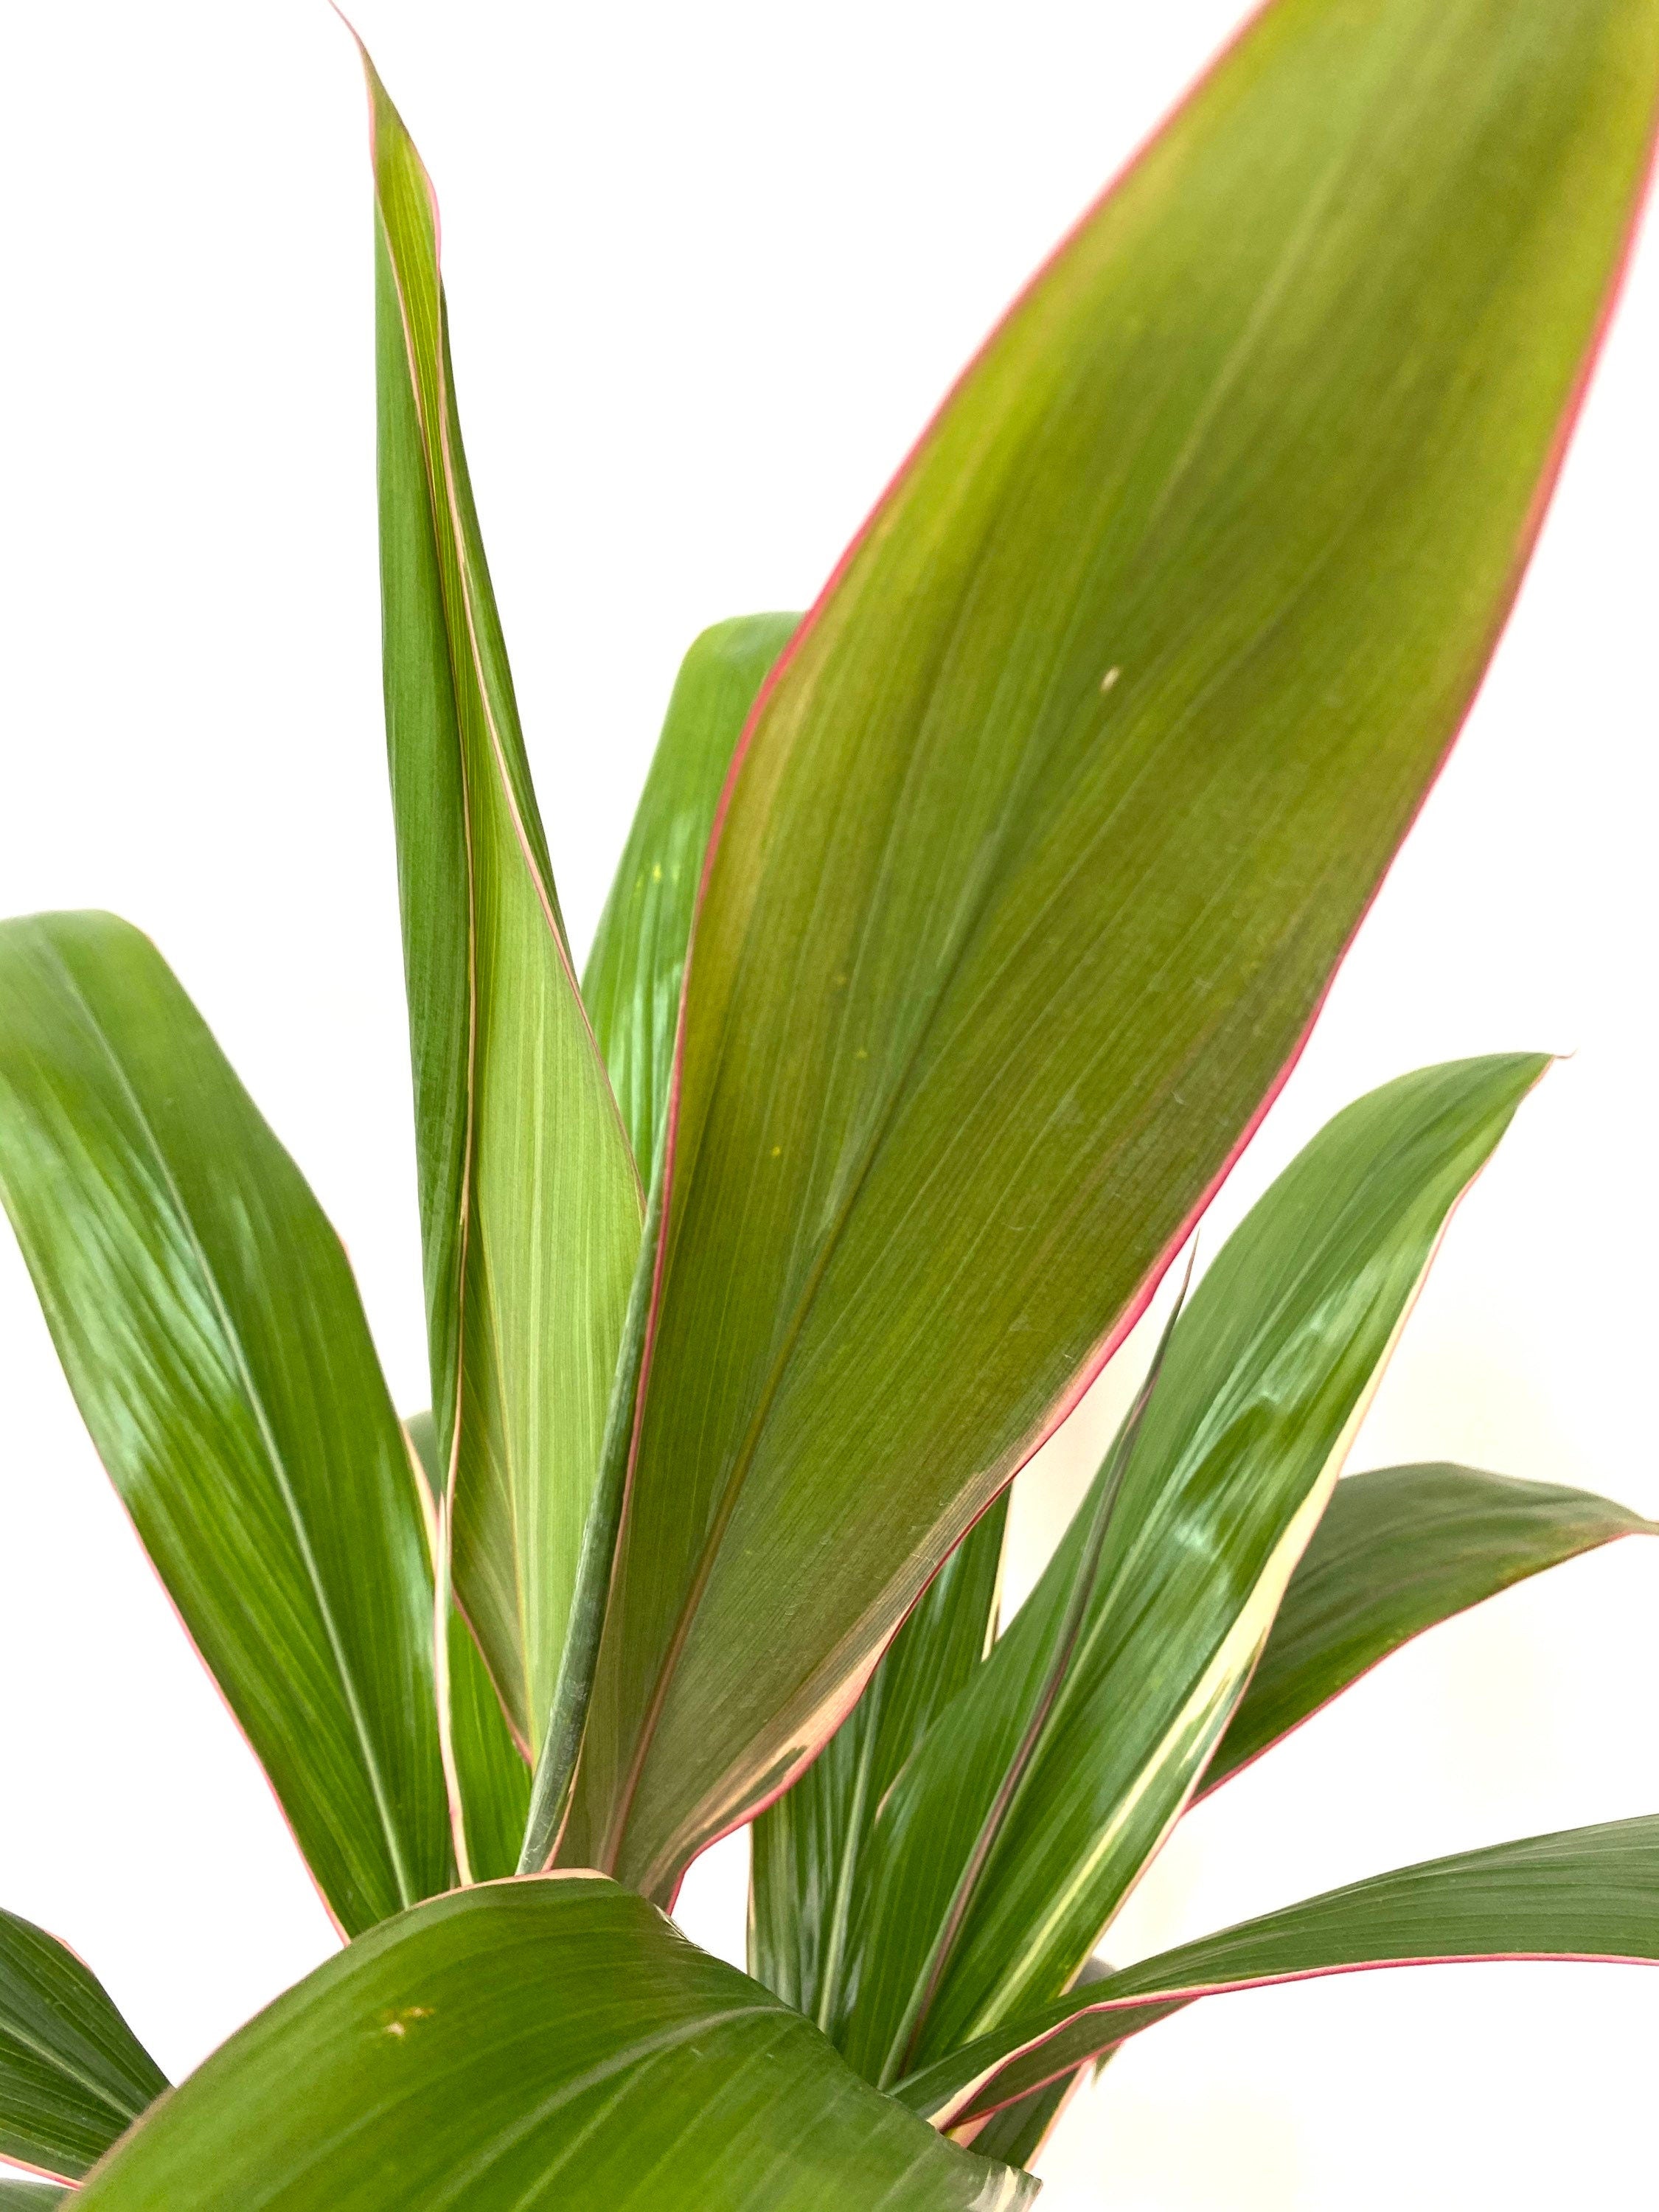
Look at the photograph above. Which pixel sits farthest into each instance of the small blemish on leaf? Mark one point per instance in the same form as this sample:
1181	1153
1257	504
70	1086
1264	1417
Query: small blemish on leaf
1110	679
656	872
777	1152
396	2025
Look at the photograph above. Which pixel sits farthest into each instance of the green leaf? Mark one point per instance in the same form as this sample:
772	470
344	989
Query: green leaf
529	1205
632	983
30	2196
808	1848
1583	1893
987	1897
73	2075
1397	1551
491	1780
1015	2133
550	2041
212	1334
1043	845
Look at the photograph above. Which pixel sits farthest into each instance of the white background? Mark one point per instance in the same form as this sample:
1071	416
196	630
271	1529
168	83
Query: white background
709	268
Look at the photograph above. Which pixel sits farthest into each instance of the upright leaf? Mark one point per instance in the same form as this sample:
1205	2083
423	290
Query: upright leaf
1583	1893
1043	845
211	1332
987	1902
807	1867
532	2044
73	2075
490	1778
529	1205
632	985
1396	1552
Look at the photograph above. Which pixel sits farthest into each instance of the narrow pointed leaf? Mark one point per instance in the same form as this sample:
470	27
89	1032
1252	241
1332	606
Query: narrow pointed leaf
1396	1552
73	2075
529	1201
1268	1373
213	1337
1016	2133
490	1773
30	2196
1045	839
1583	1893
552	2041
807	1868
632	982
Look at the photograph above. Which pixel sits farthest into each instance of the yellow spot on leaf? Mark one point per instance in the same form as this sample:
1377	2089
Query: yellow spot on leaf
1110	679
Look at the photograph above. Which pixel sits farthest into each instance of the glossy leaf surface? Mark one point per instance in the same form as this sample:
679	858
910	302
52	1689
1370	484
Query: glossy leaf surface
632	982
807	1863
491	1775
214	1338
552	2042
1063	805
529	1205
73	2075
984	1903
1397	1551
1582	1893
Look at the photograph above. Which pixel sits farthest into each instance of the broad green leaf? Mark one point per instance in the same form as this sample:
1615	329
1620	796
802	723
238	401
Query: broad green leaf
491	1779
1397	1551
1584	1893
808	1848
73	2075
1043	845
987	1899
212	1334
529	1205
550	2042
632	982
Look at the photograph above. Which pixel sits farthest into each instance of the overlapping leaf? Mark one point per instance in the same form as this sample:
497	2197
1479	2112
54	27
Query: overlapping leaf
1583	1893
632	981
1042	847
1396	1552
490	1779
210	1330
807	1869
73	2075
529	1205
552	2041
987	1898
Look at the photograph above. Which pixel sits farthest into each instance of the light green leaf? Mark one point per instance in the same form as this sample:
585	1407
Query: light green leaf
806	1868
987	1898
1397	1551
491	1780
529	1205
1583	1893
1048	836
73	2075
632	983
212	1334
530	2044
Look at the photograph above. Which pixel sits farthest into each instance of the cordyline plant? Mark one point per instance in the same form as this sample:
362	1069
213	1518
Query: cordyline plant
965	930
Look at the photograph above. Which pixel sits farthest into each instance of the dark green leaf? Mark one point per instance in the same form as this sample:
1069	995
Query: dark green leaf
212	1334
491	1779
1269	1372
1043	845
529	1205
808	1848
73	2075
1016	2133
552	2042
1583	1893
1397	1551
30	2196
632	982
